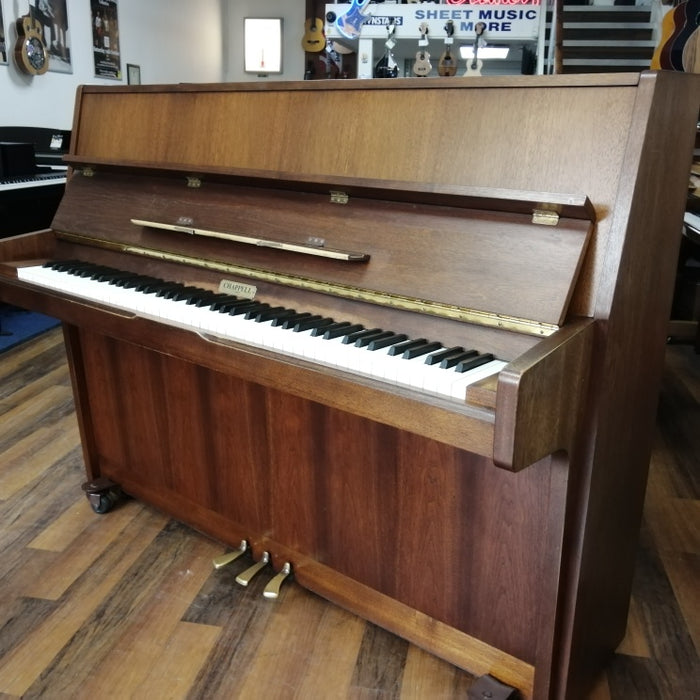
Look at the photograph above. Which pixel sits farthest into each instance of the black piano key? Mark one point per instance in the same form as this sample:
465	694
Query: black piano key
170	291
400	348
219	303
203	298
199	295
151	287
364	339
437	357
312	322
238	309
74	267
132	282
281	318
419	350
210	299
85	271
477	361
292	320
118	280
100	271
186	293
270	314
335	330
107	275
453	360
254	311
384	342
307	318
352	336
58	265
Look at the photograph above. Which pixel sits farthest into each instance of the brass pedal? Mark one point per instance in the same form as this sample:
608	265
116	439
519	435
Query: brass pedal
245	577
272	590
230	556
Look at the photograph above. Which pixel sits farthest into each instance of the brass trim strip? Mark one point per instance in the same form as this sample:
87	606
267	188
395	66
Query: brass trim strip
396	301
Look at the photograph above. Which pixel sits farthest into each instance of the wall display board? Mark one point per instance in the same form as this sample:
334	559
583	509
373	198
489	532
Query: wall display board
365	26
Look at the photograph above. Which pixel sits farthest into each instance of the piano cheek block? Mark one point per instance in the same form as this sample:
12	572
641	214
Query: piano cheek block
541	397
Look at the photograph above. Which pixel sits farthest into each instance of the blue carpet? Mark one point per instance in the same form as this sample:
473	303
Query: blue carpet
18	325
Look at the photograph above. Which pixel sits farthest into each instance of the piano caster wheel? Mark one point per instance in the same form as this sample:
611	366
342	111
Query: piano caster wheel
102	494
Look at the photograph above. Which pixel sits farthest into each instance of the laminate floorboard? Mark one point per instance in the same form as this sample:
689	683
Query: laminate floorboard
129	606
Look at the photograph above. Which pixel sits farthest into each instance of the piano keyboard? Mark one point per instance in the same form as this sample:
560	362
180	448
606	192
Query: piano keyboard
20	183
415	363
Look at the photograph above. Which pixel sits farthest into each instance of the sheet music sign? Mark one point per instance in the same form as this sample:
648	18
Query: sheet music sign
105	39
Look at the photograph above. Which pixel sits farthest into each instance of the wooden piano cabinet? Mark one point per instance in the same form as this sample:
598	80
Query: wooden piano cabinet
363	511
498	529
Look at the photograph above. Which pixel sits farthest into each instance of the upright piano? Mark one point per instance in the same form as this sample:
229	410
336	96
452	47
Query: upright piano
400	338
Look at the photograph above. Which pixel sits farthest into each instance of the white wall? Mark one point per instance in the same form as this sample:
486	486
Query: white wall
172	40
293	16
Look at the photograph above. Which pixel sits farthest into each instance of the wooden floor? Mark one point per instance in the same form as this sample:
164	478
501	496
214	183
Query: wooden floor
127	605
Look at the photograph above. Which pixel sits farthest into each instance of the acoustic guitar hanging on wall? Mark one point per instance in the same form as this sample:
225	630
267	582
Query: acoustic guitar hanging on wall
31	55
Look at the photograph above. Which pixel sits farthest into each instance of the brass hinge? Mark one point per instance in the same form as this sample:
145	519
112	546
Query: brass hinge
338	197
87	172
194	182
545	217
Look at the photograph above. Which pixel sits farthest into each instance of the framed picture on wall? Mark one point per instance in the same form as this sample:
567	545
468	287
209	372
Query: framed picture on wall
262	41
105	39
53	16
133	74
3	44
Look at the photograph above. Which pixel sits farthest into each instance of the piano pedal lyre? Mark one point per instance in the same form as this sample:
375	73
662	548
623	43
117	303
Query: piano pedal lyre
272	590
245	577
229	557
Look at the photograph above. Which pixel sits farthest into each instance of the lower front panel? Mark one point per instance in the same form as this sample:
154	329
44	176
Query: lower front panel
438	530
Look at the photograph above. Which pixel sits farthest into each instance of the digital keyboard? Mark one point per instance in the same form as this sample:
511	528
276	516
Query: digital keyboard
390	356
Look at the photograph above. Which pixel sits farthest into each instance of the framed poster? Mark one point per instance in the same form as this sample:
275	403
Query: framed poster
53	16
3	44
262	40
105	39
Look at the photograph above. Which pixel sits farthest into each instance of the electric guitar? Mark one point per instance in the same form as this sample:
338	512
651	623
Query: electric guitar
448	64
422	66
31	55
386	66
350	23
474	64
